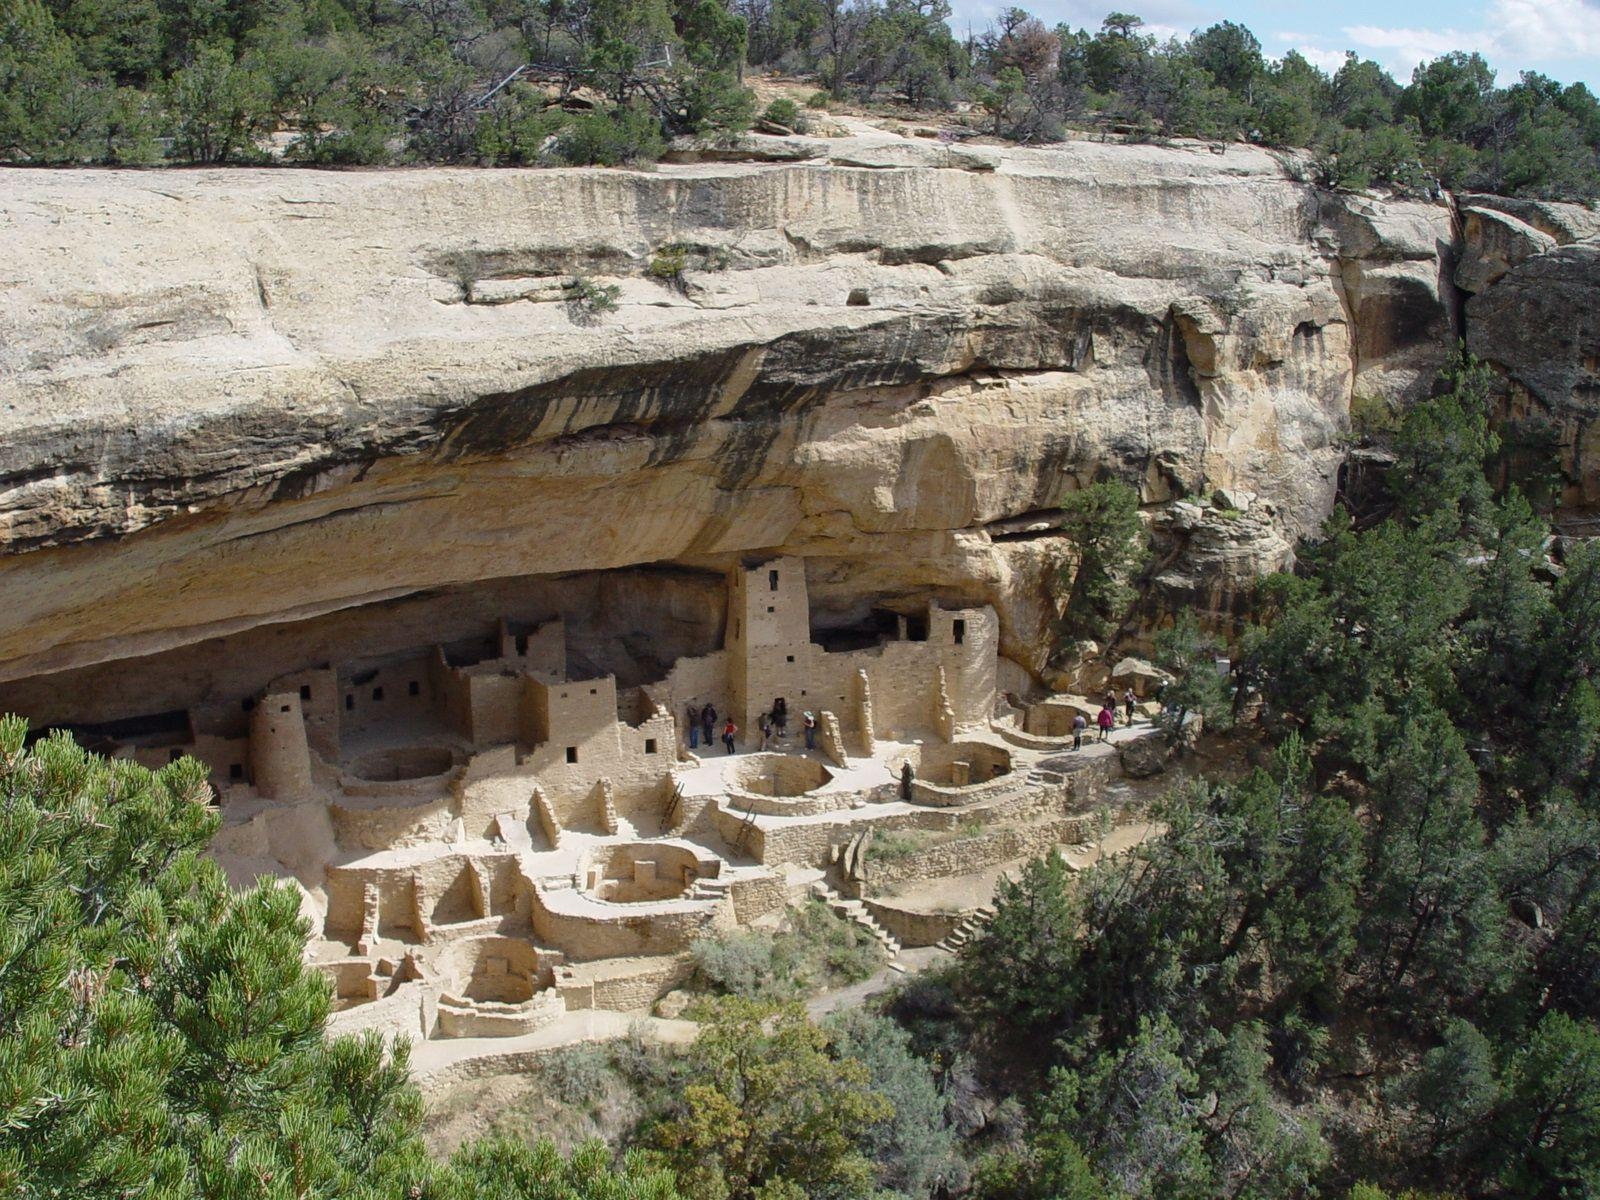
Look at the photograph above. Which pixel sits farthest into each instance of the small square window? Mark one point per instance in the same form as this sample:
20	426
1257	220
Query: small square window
572	754
563	695
649	745
377	693
594	691
790	658
305	691
236	771
283	708
802	691
413	688
349	701
771	609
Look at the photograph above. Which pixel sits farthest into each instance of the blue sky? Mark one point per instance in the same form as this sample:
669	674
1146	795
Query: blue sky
1558	37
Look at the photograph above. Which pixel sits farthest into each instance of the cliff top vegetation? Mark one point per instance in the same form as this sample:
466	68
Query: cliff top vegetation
531	82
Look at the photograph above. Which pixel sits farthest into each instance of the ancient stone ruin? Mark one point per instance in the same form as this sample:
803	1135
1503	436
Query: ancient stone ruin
486	838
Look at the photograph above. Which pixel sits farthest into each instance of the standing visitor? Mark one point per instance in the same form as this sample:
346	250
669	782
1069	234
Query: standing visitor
780	716
811	731
708	722
1079	724
1128	701
766	728
728	731
694	728
905	780
1105	720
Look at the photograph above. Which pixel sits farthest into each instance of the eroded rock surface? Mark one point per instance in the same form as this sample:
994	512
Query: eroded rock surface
235	399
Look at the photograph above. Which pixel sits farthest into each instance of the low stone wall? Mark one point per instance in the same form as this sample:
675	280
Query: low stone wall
622	985
965	855
910	927
461	1018
599	930
409	1010
756	895
407	822
937	795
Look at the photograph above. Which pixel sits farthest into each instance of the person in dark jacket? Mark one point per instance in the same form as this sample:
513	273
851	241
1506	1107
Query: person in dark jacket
708	722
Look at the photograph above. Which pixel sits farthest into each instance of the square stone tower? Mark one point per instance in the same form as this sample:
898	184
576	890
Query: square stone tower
768	641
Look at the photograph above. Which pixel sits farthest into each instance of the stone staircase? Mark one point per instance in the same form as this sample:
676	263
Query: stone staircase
969	928
708	889
854	910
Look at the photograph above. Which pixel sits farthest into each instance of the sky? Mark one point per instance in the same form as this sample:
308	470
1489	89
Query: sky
1560	38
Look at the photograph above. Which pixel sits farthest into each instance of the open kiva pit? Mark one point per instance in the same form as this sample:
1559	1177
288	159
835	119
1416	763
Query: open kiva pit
778	775
402	763
638	872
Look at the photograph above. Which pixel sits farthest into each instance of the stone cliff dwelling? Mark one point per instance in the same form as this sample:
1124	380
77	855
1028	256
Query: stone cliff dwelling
487	837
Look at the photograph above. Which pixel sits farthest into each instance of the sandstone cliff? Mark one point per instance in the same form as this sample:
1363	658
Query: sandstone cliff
234	399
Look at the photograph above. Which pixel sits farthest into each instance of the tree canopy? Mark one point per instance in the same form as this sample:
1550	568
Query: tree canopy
332	82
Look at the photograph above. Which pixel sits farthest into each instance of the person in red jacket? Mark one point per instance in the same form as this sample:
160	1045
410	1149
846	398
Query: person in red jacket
1105	720
728	731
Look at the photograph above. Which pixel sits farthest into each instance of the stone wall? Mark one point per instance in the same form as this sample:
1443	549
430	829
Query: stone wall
962	856
913	927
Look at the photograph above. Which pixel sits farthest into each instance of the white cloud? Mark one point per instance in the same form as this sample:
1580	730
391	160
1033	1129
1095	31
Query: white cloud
1329	60
1514	34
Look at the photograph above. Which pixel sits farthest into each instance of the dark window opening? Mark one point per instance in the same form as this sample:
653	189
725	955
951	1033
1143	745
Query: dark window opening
791	658
522	644
771	609
649	745
235	771
349	701
594	691
916	629
377	693
285	708
247	704
572	754
959	628
305	691
413	688
772	580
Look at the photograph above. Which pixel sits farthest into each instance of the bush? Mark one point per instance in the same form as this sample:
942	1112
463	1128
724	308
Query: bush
610	138
816	951
588	299
786	113
818	100
668	264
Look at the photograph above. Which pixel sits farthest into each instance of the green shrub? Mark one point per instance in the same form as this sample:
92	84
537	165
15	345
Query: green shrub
588	298
818	100
786	113
576	1074
668	264
610	137
814	952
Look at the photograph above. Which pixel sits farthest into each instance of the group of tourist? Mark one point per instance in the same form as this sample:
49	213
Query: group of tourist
702	723
1106	719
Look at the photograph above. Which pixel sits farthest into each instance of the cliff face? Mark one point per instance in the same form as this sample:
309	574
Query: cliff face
242	398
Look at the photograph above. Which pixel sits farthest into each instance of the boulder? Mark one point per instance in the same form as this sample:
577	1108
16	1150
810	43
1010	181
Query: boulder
1495	243
1145	756
674	1004
1140	674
